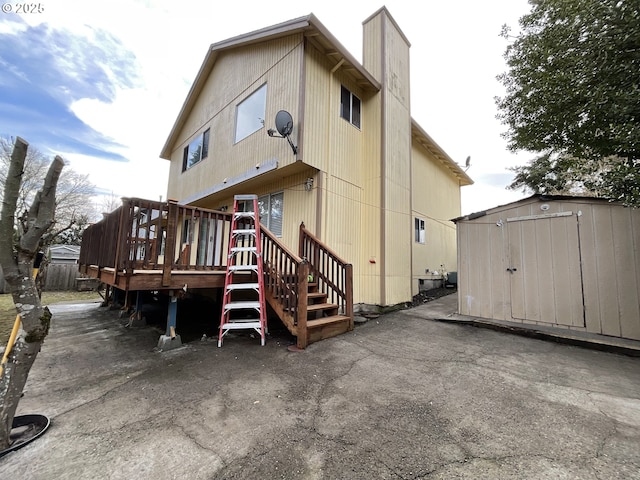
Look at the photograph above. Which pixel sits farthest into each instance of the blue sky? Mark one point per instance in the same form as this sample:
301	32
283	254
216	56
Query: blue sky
44	71
100	83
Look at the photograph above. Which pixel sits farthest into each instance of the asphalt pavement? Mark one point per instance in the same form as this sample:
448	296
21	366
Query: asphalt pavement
400	397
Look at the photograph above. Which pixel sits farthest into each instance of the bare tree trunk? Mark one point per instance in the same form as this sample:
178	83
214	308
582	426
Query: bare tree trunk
17	253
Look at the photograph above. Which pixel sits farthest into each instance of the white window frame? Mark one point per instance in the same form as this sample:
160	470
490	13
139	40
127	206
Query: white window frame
348	108
199	144
250	114
420	234
267	219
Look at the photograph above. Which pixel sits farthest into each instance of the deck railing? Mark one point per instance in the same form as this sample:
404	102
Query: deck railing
148	235
333	274
145	235
100	241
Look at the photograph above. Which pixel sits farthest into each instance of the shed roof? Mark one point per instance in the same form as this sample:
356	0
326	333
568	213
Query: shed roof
537	196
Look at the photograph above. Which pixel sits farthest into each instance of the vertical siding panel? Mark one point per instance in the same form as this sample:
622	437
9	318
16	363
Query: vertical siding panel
635	292
463	255
479	291
530	272
590	273
515	260
545	266
484	287
574	273
605	260
435	198
499	282
370	227
625	273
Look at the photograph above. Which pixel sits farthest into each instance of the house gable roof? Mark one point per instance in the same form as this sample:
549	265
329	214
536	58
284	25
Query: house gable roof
313	30
419	135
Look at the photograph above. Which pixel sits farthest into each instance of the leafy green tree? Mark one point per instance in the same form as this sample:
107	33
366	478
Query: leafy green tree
573	89
554	174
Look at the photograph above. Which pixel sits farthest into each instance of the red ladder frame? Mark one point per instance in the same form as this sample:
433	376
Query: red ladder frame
244	226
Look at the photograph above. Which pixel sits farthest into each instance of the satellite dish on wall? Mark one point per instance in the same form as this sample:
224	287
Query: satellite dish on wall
284	125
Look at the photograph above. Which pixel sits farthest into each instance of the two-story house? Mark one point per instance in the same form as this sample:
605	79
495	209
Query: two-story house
373	190
365	177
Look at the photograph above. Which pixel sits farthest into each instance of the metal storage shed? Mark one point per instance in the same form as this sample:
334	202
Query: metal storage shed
562	261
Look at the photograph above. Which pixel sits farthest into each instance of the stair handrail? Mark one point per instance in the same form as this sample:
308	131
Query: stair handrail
286	278
333	274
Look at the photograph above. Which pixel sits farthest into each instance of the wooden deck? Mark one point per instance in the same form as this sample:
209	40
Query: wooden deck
147	245
153	279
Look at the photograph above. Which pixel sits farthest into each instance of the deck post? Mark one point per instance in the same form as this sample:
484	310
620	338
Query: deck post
121	241
136	319
348	272
170	339
301	314
170	246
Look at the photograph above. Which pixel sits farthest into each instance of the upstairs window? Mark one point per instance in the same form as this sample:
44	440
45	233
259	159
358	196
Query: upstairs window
350	107
250	113
196	150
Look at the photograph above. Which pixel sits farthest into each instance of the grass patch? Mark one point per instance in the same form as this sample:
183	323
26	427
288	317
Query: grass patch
8	309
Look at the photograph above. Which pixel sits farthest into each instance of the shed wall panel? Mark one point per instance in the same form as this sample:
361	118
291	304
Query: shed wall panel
593	256
624	249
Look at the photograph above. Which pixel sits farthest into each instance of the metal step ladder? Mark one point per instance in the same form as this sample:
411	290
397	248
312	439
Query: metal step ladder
244	263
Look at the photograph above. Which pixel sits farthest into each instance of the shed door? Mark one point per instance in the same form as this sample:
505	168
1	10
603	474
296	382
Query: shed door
544	268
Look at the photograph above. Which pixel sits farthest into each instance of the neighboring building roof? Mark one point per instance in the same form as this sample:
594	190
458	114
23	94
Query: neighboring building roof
64	251
309	25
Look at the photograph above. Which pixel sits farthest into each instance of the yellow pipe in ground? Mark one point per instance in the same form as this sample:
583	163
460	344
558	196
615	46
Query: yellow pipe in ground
14	334
12	340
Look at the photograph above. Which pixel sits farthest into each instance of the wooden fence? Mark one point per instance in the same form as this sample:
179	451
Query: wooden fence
60	276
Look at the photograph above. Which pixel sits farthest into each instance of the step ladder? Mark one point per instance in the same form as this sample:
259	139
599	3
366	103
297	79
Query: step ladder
244	262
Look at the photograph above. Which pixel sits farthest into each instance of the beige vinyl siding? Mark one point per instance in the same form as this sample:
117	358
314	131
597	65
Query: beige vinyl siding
435	198
372	46
236	75
369	276
610	240
579	271
396	166
320	109
298	205
348	158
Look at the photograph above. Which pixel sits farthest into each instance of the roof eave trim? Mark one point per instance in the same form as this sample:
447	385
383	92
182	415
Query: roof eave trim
453	166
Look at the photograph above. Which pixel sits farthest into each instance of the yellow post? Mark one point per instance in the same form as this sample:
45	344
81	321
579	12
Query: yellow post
12	340
14	334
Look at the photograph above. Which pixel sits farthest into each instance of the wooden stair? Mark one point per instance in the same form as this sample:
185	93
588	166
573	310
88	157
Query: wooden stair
312	291
323	319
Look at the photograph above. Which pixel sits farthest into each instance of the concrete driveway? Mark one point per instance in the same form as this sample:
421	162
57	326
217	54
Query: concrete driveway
400	397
